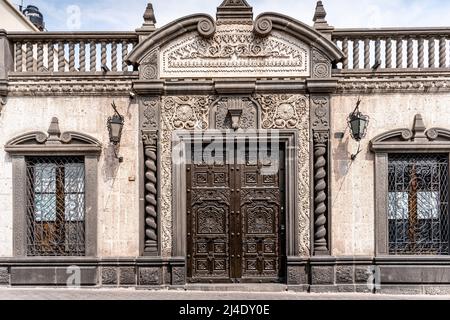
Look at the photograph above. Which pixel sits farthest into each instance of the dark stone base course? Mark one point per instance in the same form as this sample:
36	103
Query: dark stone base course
4	276
150	276
316	275
109	276
53	276
128	276
322	275
345	274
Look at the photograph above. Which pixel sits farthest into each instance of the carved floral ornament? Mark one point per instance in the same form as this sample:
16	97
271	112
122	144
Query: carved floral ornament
321	65
187	113
201	113
320	112
150	113
235	50
149	66
282	111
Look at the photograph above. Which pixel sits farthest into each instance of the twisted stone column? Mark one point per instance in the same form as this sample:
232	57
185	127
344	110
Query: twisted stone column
389	53
150	139
29	56
320	192
19	57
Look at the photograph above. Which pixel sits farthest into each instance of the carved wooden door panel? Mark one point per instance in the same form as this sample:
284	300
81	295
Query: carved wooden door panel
260	189
208	215
235	220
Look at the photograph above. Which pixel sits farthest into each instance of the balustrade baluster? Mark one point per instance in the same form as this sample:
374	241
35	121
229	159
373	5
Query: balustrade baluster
389	53
345	51
356	54
366	53
431	53
19	57
399	53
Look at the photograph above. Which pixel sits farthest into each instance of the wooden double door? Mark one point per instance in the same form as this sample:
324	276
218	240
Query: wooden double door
235	216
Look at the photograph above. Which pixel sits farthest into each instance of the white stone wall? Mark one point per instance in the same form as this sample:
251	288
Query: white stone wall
353	195
118	194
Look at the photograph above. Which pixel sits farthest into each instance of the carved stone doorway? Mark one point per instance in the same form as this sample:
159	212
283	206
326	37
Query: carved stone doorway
236	225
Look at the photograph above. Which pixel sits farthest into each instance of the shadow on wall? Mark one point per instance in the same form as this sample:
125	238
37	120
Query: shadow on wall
3	101
111	164
342	166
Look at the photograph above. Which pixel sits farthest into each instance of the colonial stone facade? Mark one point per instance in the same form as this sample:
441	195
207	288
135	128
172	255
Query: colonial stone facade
150	212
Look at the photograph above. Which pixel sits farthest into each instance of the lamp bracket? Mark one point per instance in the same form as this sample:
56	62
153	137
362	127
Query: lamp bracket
354	156
115	110
115	147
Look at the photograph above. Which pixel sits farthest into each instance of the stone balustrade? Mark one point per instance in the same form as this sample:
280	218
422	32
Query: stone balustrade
366	50
61	52
393	49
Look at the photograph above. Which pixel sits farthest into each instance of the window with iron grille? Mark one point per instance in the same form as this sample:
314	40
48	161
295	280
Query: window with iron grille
418	210
55	206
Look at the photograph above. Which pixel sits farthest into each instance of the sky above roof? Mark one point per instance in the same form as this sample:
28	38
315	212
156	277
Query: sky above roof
125	15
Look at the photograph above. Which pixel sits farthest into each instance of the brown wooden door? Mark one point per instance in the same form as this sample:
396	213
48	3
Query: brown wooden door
235	219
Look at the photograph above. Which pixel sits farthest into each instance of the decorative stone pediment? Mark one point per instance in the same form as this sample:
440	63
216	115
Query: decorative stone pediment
235	46
235	51
53	141
417	138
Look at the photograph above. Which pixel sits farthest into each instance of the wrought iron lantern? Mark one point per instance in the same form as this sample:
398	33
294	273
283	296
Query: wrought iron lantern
115	126
358	124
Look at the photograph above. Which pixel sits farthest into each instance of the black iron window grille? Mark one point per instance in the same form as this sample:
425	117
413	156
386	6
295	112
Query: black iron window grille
418	204
55	206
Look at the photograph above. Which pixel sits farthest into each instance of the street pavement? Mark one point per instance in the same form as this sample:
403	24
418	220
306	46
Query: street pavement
139	294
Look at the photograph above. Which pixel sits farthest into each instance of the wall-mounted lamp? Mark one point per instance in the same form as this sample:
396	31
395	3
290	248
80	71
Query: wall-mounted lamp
115	127
358	124
235	115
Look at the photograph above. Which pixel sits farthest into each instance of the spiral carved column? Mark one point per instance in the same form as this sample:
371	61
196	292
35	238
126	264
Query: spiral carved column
320	192
150	139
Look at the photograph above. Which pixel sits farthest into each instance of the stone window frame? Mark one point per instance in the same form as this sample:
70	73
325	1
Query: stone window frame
53	144
415	141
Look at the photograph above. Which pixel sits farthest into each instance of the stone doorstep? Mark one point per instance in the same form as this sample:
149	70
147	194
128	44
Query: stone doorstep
237	287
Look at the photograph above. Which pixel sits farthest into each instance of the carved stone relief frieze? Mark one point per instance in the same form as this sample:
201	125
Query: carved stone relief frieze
282	111
177	113
187	113
150	113
149	66
321	66
320	113
235	51
63	87
292	112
